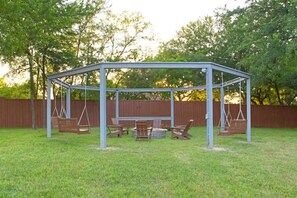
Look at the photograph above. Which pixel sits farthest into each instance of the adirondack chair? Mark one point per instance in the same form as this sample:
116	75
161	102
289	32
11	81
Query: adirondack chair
182	132
115	131
116	125
143	132
157	123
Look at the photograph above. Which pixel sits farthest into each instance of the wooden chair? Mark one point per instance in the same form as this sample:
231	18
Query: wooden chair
115	125
157	123
143	132
182	131
69	125
117	132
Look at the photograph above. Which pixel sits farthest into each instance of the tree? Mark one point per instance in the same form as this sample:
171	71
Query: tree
193	43
261	39
38	34
111	38
42	37
15	90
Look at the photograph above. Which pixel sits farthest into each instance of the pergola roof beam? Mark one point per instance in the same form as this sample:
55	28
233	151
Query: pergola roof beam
157	65
75	71
144	118
150	65
90	88
233	81
58	81
228	70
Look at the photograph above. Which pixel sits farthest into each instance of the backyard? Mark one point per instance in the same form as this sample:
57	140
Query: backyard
71	165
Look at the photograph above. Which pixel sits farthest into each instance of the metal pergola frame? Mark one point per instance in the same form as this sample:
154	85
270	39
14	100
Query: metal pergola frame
207	67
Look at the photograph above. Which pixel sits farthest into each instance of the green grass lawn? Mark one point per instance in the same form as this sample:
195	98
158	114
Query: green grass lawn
70	165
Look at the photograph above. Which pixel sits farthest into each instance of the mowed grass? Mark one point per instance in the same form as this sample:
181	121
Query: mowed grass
70	165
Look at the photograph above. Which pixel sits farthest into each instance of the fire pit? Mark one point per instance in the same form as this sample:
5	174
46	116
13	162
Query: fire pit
156	132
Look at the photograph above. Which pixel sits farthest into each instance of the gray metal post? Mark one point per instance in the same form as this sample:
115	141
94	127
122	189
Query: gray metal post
209	107
102	108
48	110
117	107
248	109
222	94
68	103
172	108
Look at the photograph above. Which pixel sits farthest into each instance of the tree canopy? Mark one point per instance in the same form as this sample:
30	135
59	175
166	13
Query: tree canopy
259	38
41	36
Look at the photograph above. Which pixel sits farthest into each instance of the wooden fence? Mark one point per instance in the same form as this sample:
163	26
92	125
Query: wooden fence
17	112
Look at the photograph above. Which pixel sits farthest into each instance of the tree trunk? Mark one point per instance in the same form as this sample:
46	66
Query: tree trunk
37	83
43	92
32	90
280	101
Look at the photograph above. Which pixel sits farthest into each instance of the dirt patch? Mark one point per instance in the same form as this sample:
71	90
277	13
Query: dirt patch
218	149
108	148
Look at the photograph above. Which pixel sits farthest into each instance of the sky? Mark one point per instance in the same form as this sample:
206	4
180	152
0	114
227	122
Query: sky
168	16
3	69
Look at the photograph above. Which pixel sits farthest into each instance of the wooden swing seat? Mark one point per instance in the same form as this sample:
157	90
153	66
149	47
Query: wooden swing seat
237	126
223	133
69	125
84	129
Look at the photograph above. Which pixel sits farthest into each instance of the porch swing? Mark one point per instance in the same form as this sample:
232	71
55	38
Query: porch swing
227	119
238	125
72	125
233	126
227	116
56	115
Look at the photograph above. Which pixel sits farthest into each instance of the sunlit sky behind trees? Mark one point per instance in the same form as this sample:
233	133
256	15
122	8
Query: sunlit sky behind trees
166	16
259	37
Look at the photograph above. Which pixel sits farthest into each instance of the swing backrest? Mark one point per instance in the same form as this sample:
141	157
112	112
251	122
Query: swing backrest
68	125
157	123
55	122
237	126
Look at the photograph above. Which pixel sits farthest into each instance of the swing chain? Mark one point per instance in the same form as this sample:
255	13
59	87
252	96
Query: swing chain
240	113
85	109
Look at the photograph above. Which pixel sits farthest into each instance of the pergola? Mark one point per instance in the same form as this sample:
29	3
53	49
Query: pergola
207	67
